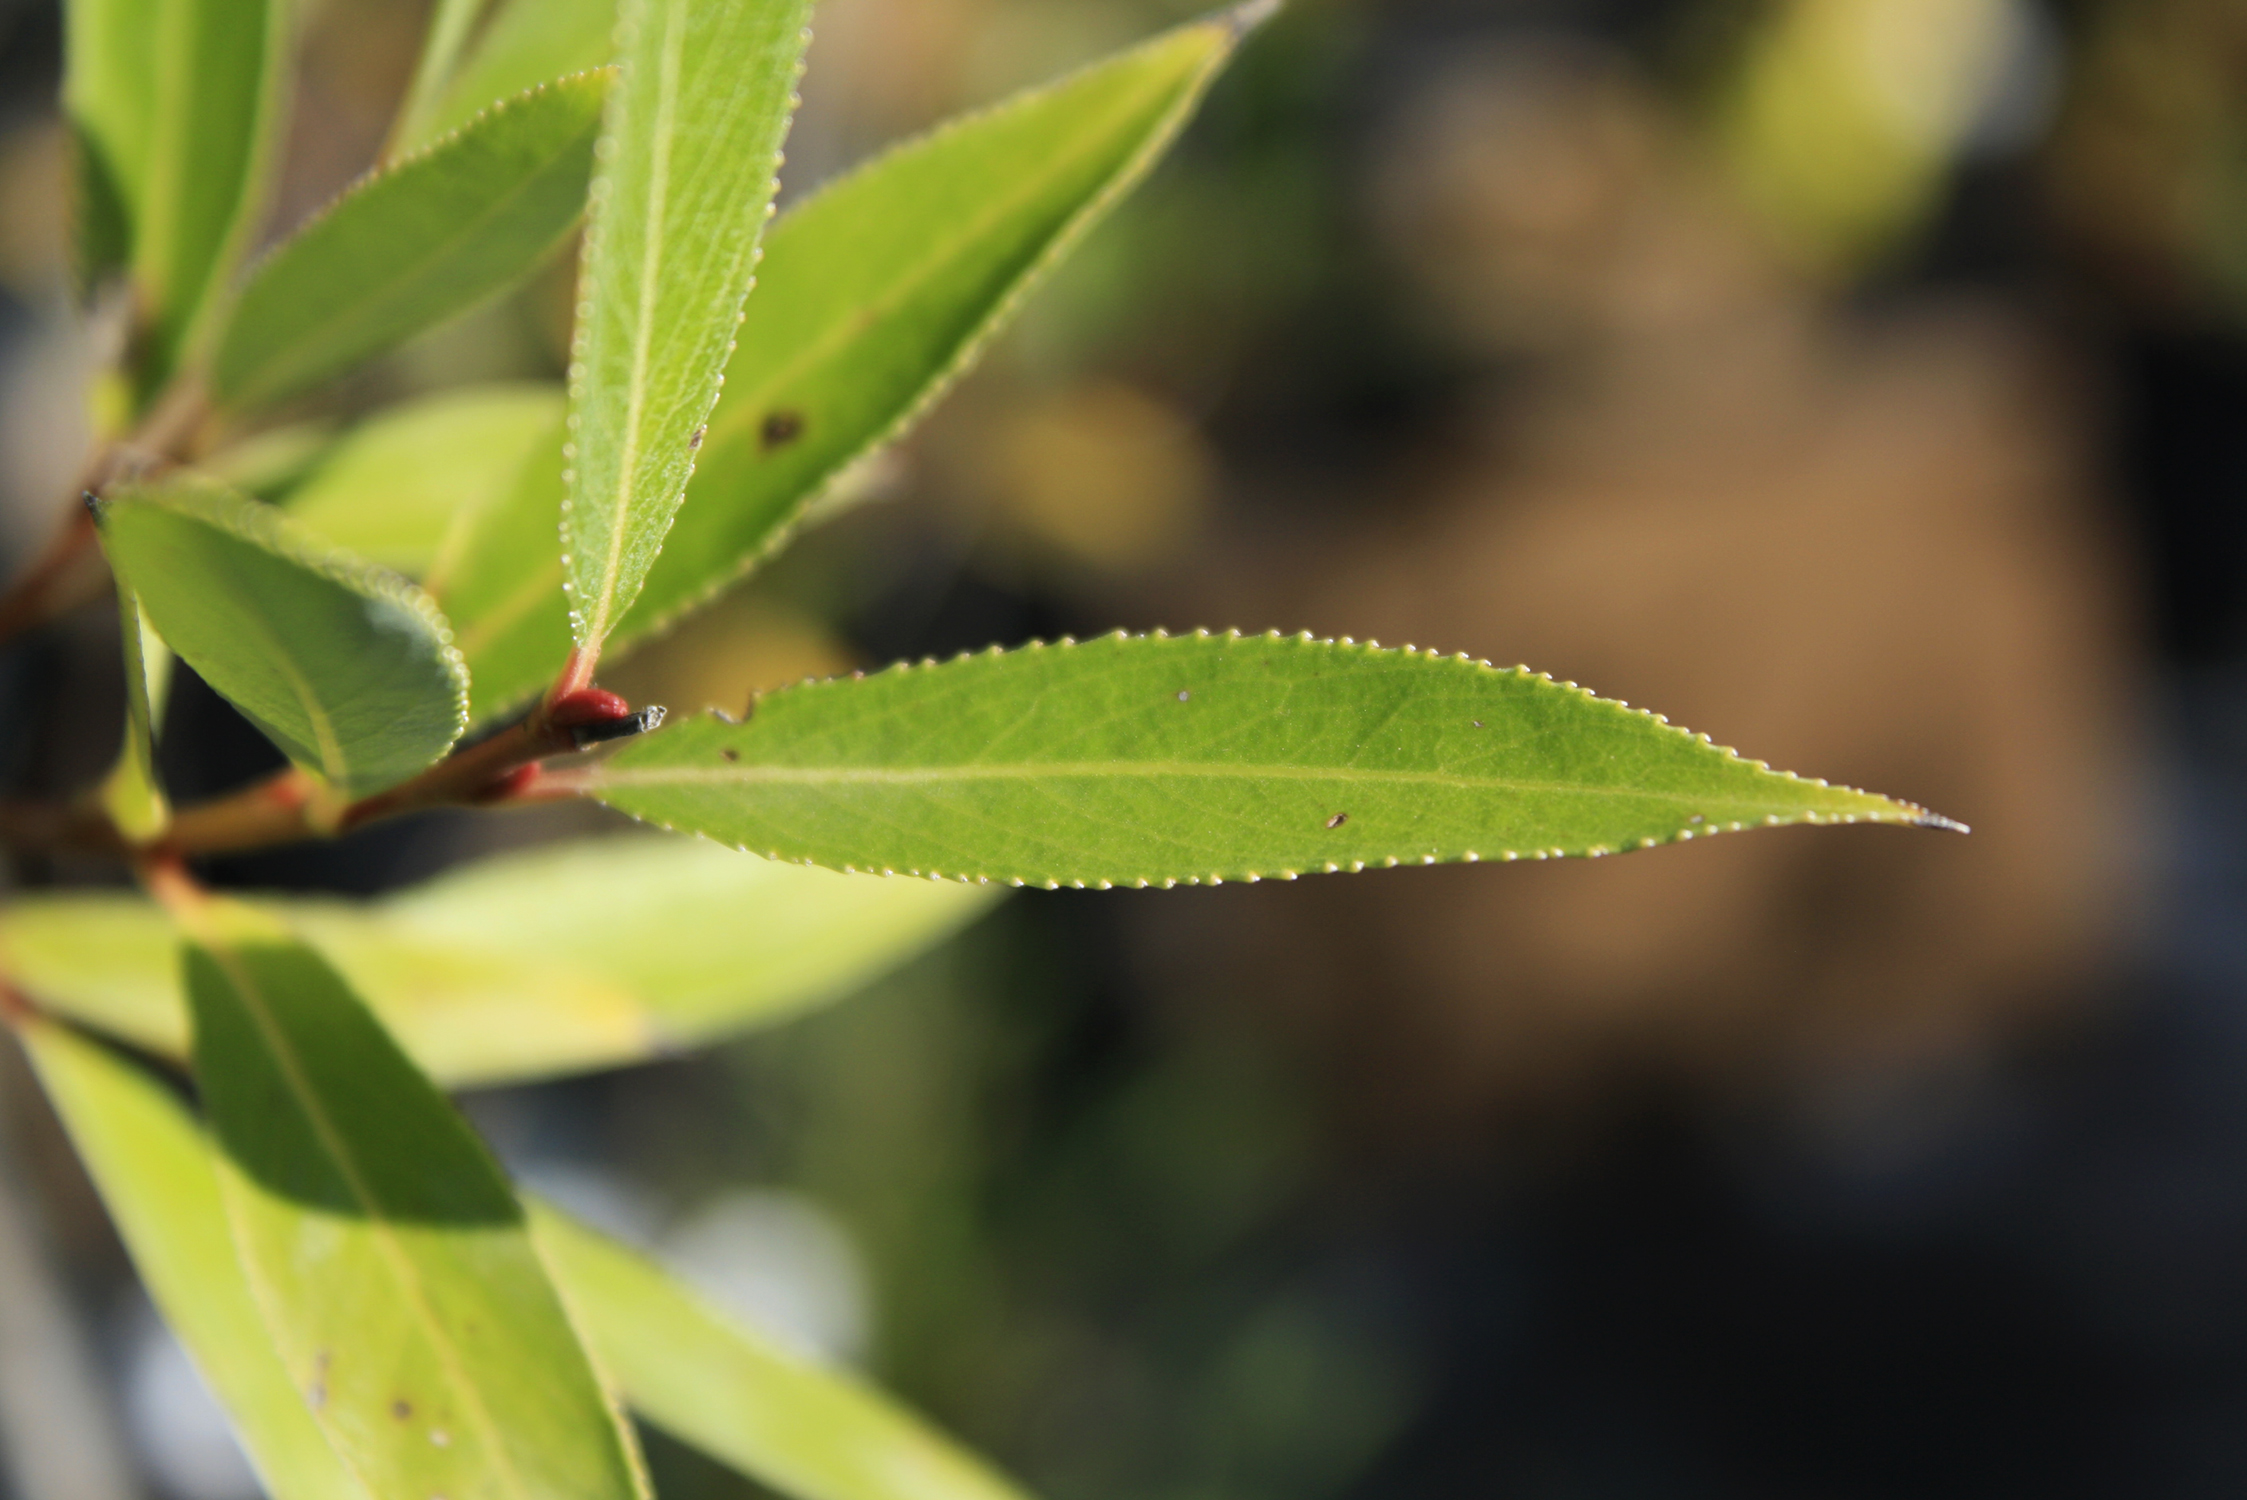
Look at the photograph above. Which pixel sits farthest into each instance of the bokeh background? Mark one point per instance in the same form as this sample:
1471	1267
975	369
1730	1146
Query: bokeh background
1863	382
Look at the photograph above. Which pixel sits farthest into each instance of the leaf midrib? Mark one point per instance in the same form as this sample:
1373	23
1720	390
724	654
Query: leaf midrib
384	1238
1129	770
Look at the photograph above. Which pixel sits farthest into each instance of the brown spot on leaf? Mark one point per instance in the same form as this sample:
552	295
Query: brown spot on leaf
780	429
402	1409
730	753
695	441
1337	820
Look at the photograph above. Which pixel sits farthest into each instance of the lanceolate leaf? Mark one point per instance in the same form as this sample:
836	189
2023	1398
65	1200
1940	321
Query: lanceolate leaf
132	795
807	1432
872	296
880	289
390	1260
153	1166
1160	760
174	104
349	670
415	243
690	148
569	957
408	488
528	42
505	593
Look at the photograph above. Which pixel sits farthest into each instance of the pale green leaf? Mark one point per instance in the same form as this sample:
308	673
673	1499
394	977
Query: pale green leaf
271	463
407	488
504	591
558	960
872	297
451	24
690	149
392	1264
877	292
152	1164
132	794
806	1431
175	106
1166	760
349	670
526	43
415	243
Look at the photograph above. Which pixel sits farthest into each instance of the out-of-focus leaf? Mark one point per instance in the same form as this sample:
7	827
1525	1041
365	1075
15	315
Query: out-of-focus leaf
271	463
451	23
407	489
528	42
554	961
152	1164
132	795
690	149
504	590
415	243
808	1432
349	670
174	104
1159	760
878	291
390	1260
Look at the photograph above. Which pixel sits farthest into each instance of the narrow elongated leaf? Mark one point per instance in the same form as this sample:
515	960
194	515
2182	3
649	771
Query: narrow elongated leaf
132	795
174	104
349	670
878	291
566	958
390	1260
505	591
691	146
408	488
526	43
415	243
872	297
451	24
1160	760
152	1164
808	1432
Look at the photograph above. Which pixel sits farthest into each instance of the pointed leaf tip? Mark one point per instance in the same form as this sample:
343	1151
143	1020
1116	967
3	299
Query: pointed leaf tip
1248	15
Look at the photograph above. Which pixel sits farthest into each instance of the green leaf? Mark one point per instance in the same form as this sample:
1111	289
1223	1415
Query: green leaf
881	289
174	105
408	488
451	23
392	1264
1161	760
349	670
680	200
528	42
504	593
152	1164
808	1432
415	243
132	795
558	960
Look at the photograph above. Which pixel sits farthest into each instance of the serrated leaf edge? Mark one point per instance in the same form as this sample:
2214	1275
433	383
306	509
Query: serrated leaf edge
1908	814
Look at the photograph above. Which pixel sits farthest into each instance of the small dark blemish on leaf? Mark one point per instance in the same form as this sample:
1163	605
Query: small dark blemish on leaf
781	428
730	753
402	1409
1337	820
695	442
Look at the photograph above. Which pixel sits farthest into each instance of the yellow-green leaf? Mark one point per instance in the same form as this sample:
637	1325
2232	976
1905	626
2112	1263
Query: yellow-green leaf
689	153
392	1265
132	795
526	43
152	1165
1161	760
808	1432
407	488
349	670
415	243
566	958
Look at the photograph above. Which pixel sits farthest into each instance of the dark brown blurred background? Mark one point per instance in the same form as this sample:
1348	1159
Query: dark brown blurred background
1863	382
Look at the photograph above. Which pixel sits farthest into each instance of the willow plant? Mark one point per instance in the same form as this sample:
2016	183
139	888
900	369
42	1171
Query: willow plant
381	1313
